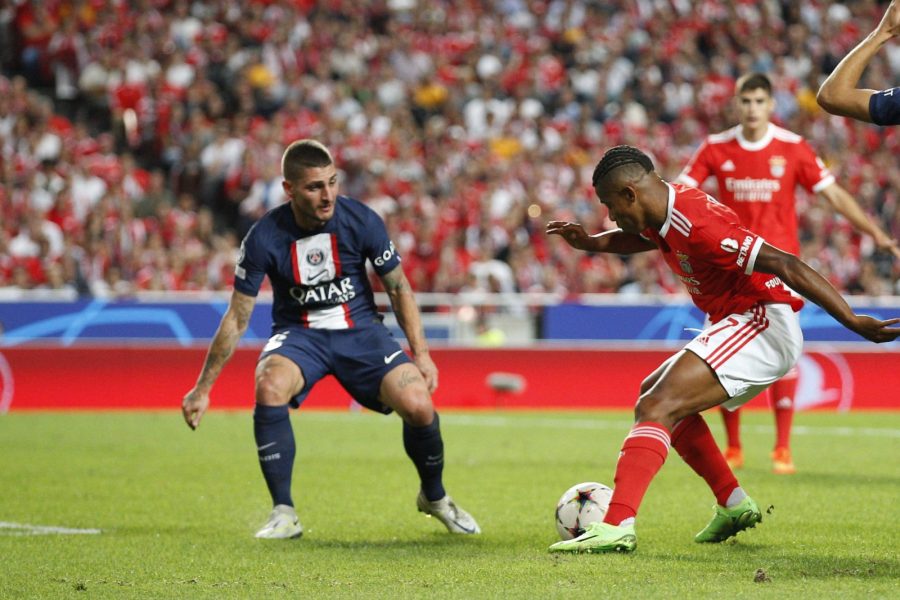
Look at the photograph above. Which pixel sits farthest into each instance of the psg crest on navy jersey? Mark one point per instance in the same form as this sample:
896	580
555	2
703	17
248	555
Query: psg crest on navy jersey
315	257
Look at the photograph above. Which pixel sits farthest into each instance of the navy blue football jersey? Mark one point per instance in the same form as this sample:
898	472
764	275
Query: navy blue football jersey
318	277
884	107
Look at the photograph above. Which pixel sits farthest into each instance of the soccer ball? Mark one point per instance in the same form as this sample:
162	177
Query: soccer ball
582	504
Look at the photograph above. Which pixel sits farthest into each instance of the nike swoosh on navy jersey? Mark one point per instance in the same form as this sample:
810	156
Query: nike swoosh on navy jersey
313	278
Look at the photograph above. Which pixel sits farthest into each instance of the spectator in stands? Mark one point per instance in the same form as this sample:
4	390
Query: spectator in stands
156	194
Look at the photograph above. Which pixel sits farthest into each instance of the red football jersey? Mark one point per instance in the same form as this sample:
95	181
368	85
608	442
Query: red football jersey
713	254
757	179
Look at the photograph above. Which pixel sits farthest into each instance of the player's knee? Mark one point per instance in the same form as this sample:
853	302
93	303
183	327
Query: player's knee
270	391
416	410
657	407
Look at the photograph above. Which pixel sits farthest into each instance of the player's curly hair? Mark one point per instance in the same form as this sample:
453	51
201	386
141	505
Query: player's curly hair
620	156
304	154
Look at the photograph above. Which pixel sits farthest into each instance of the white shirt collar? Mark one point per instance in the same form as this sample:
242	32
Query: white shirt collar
670	205
757	145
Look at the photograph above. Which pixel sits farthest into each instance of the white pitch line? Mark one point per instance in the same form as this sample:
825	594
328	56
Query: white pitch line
26	529
620	425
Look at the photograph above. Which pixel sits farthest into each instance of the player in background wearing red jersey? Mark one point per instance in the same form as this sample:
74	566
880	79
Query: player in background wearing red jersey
757	166
734	276
839	94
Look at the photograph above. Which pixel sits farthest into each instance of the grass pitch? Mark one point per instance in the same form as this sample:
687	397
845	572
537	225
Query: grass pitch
177	510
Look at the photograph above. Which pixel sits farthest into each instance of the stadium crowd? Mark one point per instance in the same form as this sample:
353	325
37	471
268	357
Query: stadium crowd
140	140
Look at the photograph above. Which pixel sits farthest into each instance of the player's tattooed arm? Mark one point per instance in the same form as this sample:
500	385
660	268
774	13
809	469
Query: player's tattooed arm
232	327
403	301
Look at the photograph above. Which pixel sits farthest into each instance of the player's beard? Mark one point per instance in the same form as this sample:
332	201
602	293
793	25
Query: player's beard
325	213
311	217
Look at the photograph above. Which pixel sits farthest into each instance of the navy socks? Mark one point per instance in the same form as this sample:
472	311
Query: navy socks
425	447
276	447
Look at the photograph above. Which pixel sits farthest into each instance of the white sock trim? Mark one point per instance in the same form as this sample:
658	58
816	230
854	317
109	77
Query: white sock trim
736	497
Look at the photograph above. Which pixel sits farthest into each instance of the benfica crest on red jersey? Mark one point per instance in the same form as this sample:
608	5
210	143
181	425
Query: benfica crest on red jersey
777	166
684	262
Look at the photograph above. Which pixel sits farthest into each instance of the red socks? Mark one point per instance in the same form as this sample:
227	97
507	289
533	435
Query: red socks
732	421
643	454
781	398
695	443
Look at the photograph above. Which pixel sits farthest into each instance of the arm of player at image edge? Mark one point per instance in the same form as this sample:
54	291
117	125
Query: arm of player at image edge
804	280
403	303
615	241
231	328
838	93
844	203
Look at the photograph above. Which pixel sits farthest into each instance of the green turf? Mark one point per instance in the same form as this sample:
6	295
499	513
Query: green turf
178	510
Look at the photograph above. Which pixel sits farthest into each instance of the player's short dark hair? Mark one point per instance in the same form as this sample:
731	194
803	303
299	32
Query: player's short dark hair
620	156
304	154
753	81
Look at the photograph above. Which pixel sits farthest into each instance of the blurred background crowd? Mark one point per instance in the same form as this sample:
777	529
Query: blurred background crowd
140	140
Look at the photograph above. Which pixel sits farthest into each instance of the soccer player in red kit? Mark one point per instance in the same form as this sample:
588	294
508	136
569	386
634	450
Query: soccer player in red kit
757	166
739	280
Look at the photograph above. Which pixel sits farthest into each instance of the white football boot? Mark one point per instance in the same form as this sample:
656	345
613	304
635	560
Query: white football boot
283	523
447	512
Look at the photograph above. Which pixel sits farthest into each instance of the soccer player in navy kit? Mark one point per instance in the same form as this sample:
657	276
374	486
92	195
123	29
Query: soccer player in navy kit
314	250
839	94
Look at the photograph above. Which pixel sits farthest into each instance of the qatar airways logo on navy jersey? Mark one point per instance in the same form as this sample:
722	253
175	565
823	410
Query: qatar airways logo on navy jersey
338	291
317	272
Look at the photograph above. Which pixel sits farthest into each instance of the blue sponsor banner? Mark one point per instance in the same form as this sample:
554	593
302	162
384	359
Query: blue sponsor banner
93	320
189	323
89	320
673	322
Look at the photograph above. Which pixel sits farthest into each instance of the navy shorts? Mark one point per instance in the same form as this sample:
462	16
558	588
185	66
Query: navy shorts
358	358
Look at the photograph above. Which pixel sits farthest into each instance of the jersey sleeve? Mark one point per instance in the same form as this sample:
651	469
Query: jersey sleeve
378	247
884	107
697	169
250	269
812	173
727	245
